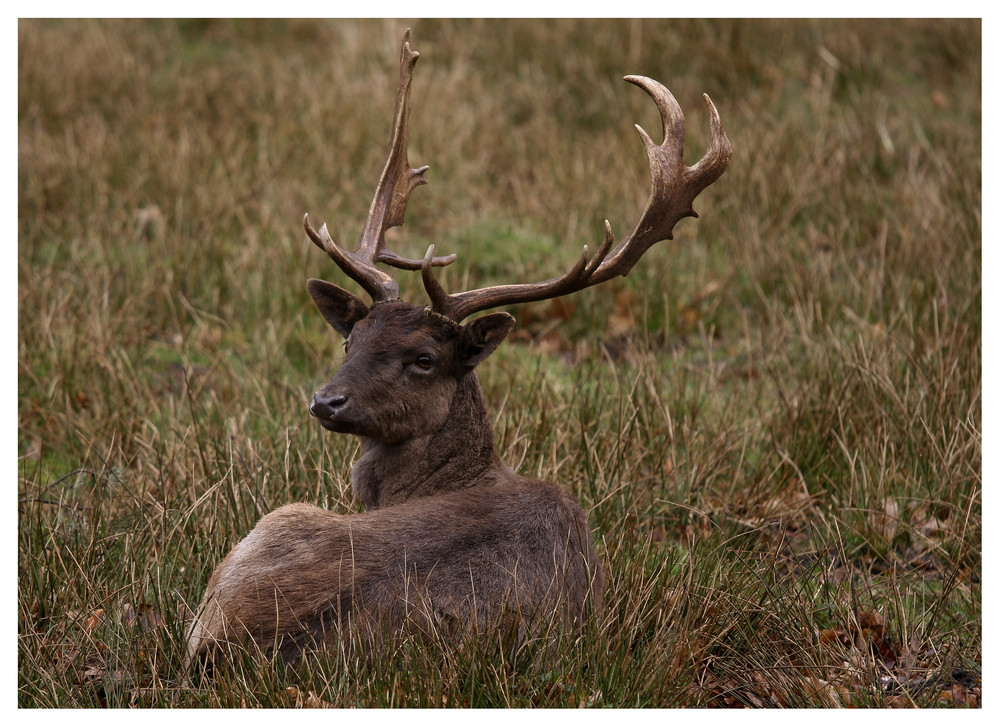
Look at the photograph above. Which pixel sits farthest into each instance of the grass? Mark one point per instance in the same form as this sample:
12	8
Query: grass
775	421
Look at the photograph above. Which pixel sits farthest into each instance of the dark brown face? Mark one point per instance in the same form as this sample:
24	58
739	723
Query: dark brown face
397	380
402	368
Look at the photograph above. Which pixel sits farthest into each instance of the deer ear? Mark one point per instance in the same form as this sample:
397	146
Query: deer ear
480	338
340	308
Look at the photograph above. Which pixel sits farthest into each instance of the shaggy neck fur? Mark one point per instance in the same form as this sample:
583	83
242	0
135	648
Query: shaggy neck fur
459	455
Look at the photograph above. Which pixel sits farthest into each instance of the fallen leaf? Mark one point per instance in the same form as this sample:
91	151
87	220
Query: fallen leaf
868	619
873	635
930	527
94	671
309	700
832	635
886	521
826	693
959	695
93	621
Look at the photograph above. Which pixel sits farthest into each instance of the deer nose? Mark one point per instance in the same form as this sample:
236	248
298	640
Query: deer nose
325	407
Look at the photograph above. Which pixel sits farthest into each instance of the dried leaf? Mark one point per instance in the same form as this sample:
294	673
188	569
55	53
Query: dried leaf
825	693
864	637
93	621
94	672
308	700
872	635
931	527
886	522
959	695
689	319
830	636
868	619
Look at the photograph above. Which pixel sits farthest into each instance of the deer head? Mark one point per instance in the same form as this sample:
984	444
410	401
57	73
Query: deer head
414	354
404	363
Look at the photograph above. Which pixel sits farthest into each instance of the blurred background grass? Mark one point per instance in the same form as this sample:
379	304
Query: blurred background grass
776	415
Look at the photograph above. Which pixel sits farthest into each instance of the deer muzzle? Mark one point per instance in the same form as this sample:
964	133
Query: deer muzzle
329	409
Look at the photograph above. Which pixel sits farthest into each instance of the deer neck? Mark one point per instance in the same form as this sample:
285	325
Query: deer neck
457	456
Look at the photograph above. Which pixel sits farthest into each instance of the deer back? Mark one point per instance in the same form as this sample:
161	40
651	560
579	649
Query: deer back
467	558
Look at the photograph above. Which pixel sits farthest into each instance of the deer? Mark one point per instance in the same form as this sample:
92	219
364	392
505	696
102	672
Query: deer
449	534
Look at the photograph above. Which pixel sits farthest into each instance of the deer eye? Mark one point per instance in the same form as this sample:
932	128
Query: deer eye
425	361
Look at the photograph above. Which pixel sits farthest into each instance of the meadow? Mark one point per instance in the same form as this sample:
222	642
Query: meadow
774	421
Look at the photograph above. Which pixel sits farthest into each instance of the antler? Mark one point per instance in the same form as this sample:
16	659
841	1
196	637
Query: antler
674	188
395	184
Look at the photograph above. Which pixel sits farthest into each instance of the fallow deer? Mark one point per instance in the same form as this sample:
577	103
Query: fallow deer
449	532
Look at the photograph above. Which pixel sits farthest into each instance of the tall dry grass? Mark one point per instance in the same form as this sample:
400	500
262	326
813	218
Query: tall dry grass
775	420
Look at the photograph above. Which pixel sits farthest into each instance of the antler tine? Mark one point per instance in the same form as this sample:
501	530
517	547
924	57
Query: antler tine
674	188
461	305
388	206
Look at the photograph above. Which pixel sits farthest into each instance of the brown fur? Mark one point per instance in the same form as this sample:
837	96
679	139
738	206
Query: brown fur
450	532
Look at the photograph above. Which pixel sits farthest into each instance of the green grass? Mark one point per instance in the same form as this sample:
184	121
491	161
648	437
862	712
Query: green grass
775	420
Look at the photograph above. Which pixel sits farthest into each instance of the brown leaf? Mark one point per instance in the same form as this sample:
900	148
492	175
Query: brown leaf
931	527
825	694
873	633
94	672
868	619
309	700
959	695
93	621
865	636
689	319
830	636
